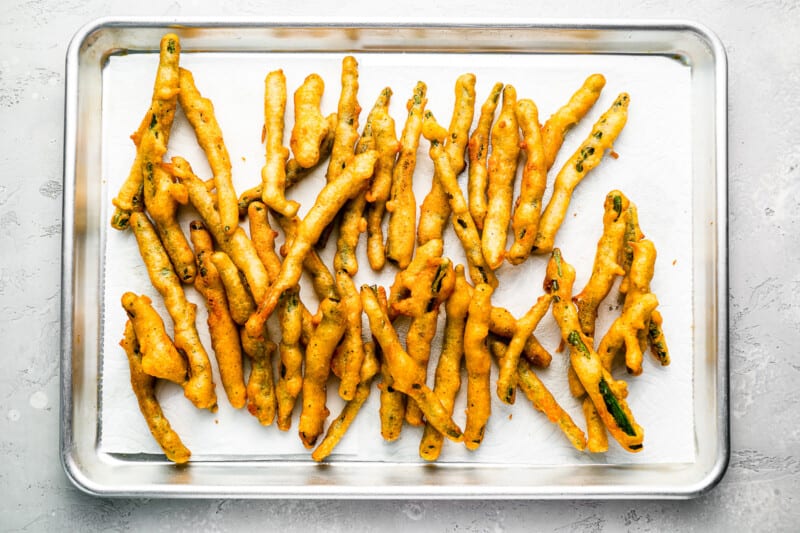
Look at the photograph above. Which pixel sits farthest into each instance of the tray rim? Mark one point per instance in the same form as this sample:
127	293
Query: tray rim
79	477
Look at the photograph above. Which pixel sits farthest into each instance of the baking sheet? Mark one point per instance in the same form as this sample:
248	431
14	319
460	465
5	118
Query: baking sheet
654	169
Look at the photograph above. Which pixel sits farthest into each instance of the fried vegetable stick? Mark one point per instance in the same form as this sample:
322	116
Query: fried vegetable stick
239	300
347	120
507	380
585	158
310	127
160	358
321	277
160	115
478	363
261	394
655	336
163	208
607	394
263	237
448	369
407	375
534	178
568	115
467	232
383	130
143	386
290	382
352	346
339	427
435	208
641	272
199	389
402	205
502	171
625	331
237	245
606	262
322	213
294	172
478	154
224	333
633	233
503	324
393	405
423	328
410	294
273	173
200	113
392	402
353	223
541	398
318	365
598	436
156	185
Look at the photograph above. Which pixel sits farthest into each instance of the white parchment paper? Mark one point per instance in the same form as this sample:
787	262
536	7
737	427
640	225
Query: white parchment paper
653	170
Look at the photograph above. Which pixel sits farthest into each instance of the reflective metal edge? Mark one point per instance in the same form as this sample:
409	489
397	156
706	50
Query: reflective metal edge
705	483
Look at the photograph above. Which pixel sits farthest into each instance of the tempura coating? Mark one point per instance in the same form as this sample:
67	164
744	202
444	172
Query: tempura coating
543	400
261	393
633	233
641	273
588	156
383	132
237	245
290	382
607	394
347	120
273	173
568	115
199	112
159	117
352	222
606	261
240	301
317	369
221	327
502	171
467	232
310	127
624	333
478	363
507	379
339	427
478	154
263	237
435	208
352	346
322	213
595	429
528	207
199	388
160	358
448	369
294	172
406	374
423	327
503	324
402	205
143	386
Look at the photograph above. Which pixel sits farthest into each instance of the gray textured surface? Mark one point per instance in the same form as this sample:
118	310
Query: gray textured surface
761	488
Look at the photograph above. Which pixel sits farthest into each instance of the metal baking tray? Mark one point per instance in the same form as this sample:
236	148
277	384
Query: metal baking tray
522	44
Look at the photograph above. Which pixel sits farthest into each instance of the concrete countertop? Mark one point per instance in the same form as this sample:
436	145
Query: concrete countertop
762	485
